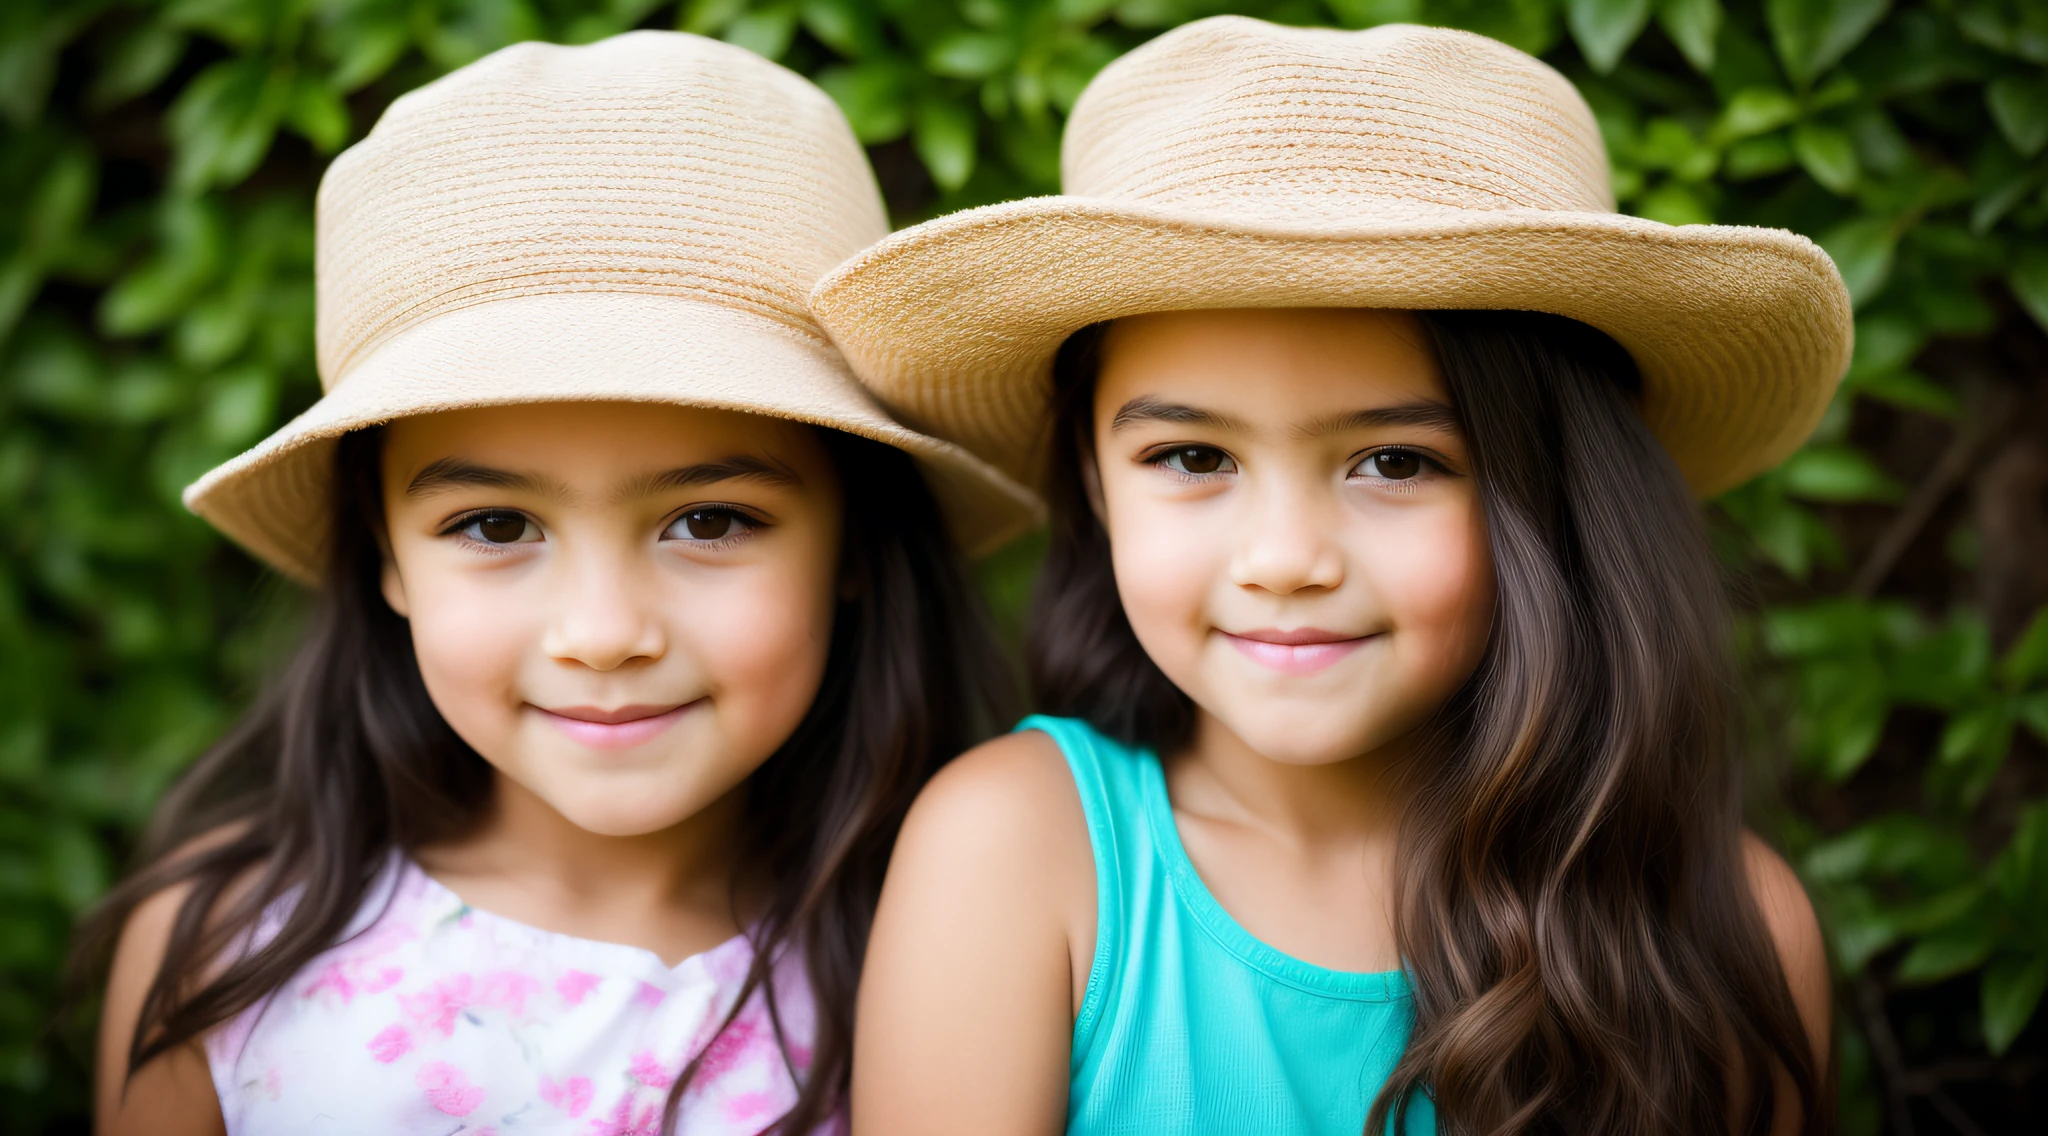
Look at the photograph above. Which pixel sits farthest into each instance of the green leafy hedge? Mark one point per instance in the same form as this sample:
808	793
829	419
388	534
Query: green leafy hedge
158	162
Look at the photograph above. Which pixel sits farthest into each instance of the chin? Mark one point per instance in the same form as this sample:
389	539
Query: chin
614	814
1302	744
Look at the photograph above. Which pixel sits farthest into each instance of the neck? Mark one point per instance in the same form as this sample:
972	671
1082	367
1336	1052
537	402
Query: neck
693	863
1304	805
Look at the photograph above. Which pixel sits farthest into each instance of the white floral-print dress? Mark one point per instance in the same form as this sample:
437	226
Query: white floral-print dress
437	1018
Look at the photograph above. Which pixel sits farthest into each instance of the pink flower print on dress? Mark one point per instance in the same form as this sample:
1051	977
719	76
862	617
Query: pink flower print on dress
391	1043
648	1070
623	1122
650	995
448	1088
507	990
576	985
746	1108
729	1049
571	1096
435	1008
332	977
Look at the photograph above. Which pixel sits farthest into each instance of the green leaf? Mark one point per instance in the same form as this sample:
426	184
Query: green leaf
1862	250
875	96
241	406
1692	26
846	26
945	140
221	126
77	868
970	55
1946	670
369	49
1973	747
766	32
138	62
1605	28
1757	157
1837	473
709	17
2029	282
193	245
1828	154
1813	35
2011	990
1948	953
318	114
1372	13
1756	110
2019	104
2021	870
2027	659
1908	390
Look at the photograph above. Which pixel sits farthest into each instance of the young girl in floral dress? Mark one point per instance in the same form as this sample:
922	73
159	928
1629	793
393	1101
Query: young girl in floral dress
637	629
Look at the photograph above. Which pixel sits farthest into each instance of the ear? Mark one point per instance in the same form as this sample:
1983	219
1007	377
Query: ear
393	586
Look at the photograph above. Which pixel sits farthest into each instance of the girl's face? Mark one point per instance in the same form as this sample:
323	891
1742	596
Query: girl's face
1296	534
624	608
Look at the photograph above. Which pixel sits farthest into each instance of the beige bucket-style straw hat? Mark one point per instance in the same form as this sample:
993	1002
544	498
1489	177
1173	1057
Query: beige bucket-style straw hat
635	220
1235	163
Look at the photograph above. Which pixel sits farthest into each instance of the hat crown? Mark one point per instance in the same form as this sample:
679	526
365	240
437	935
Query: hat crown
1245	119
652	162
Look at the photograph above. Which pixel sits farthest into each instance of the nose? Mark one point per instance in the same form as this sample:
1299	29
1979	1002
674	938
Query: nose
1287	547
605	618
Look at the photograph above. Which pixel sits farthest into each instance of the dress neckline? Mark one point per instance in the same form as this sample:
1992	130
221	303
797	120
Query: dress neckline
1210	914
411	872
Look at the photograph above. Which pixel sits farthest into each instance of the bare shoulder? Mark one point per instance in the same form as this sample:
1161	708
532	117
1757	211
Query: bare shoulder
1010	791
173	1093
1006	813
1795	932
967	994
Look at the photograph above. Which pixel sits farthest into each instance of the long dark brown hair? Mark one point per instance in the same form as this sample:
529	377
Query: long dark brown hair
1573	906
346	760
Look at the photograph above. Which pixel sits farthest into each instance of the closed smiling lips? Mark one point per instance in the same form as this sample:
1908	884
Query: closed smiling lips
1303	650
620	728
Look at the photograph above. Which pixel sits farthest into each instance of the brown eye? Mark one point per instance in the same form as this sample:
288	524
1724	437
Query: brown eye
706	525
1395	465
1196	460
710	525
500	528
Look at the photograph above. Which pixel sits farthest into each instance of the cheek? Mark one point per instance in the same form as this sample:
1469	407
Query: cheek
1166	565
471	643
760	639
1440	603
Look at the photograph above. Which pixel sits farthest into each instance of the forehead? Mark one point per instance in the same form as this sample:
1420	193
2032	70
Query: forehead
573	439
1271	364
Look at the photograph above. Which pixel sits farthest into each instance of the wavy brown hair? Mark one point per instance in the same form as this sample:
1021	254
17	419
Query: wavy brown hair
1574	910
345	760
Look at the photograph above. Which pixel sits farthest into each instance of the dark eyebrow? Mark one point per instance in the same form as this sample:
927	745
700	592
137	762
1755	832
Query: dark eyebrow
1427	414
744	467
454	473
1145	408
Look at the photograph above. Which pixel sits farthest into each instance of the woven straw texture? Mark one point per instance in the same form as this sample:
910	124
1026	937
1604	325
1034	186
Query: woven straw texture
639	219
1233	163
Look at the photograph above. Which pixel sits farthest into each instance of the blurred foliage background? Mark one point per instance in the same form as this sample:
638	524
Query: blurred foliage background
157	164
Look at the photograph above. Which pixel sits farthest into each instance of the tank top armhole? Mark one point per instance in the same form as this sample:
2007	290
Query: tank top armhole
1082	747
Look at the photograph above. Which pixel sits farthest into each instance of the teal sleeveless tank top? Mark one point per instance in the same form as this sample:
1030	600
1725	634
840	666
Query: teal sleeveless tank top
1189	1024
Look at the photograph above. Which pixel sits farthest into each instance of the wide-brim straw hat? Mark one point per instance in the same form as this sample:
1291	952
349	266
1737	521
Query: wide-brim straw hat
635	220
1233	163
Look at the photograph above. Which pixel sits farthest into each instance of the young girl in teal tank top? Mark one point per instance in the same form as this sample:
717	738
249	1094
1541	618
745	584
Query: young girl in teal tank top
1387	783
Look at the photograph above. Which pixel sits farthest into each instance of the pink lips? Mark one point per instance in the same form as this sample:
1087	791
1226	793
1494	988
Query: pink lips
622	728
1304	650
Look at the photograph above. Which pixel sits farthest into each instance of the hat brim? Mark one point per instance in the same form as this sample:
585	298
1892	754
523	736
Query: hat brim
580	347
1741	334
